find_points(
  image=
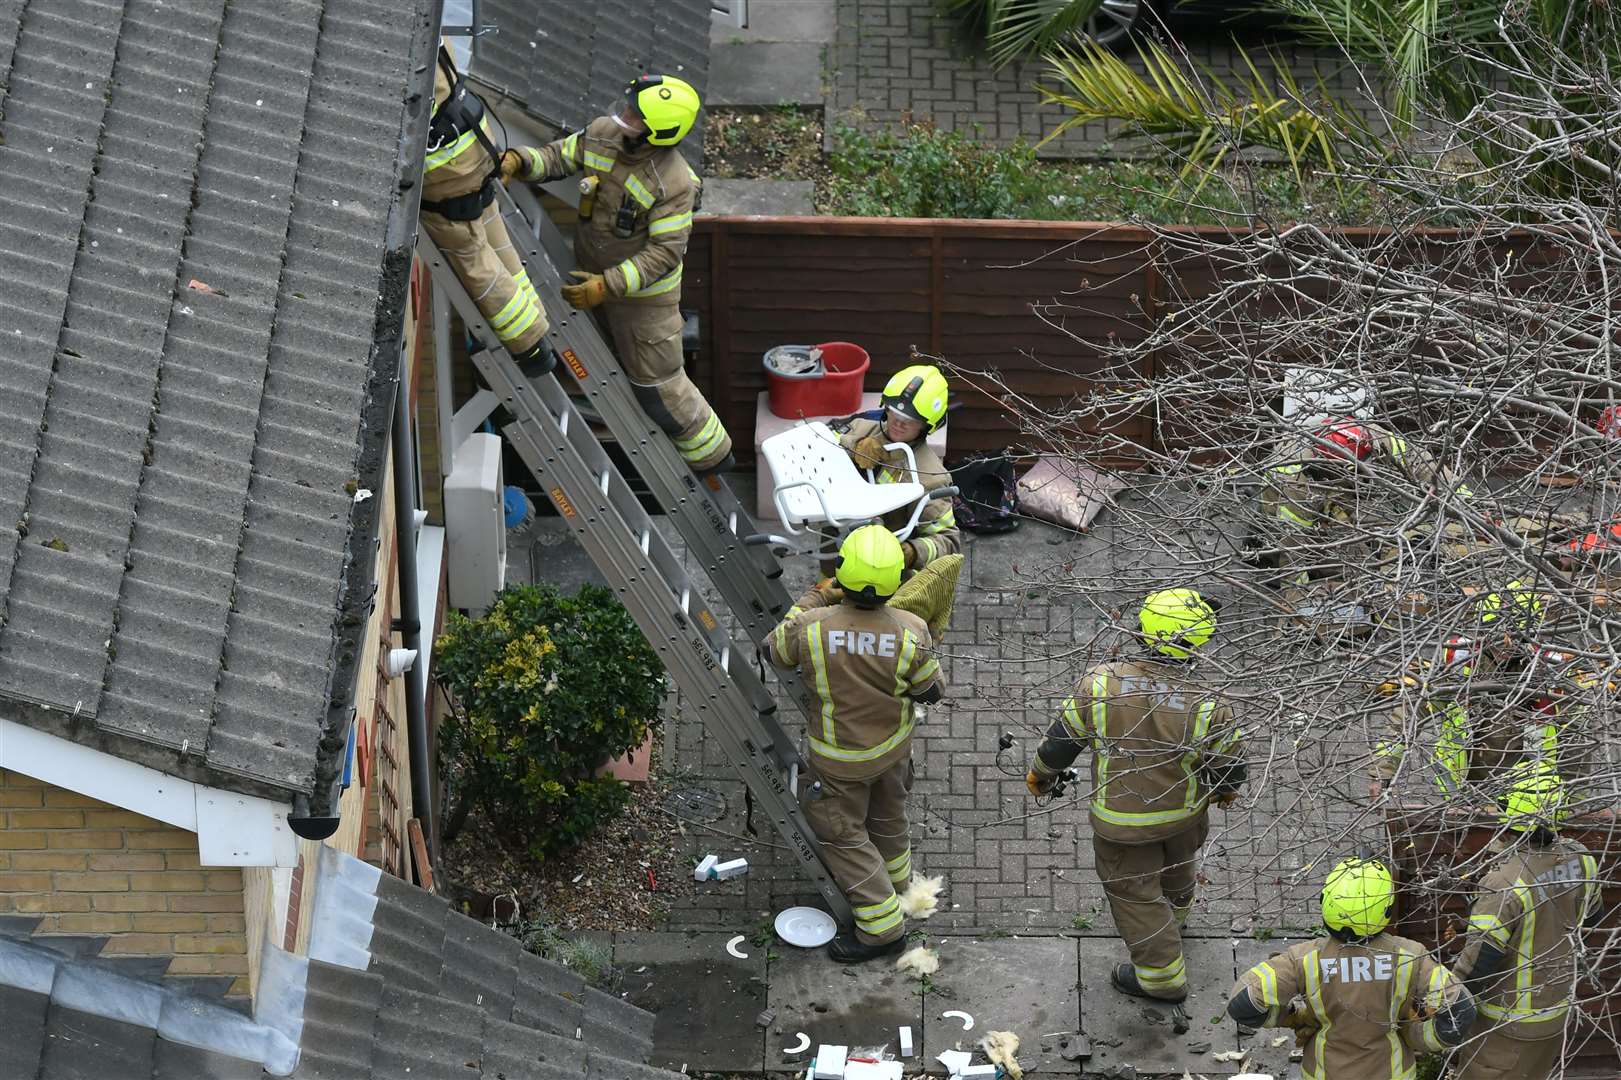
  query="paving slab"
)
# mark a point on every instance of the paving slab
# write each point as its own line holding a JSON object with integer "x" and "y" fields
{"x": 781, "y": 20}
{"x": 861, "y": 1007}
{"x": 765, "y": 74}
{"x": 1264, "y": 1057}
{"x": 775, "y": 198}
{"x": 704, "y": 1000}
{"x": 1143, "y": 1029}
{"x": 1024, "y": 985}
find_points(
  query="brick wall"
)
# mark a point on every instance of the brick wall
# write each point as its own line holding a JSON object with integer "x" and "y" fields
{"x": 88, "y": 868}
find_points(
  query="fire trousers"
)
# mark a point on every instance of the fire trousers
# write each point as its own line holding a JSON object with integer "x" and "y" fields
{"x": 1150, "y": 889}
{"x": 647, "y": 338}
{"x": 1491, "y": 1055}
{"x": 481, "y": 254}
{"x": 867, "y": 843}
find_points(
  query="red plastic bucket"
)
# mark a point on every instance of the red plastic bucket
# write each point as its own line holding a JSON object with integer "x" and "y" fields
{"x": 834, "y": 392}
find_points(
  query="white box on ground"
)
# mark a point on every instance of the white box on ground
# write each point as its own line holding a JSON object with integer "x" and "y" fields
{"x": 768, "y": 423}
{"x": 475, "y": 524}
{"x": 830, "y": 1062}
{"x": 731, "y": 869}
{"x": 906, "y": 1042}
{"x": 873, "y": 1070}
{"x": 705, "y": 869}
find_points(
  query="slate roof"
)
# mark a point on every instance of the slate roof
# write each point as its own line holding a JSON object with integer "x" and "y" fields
{"x": 566, "y": 63}
{"x": 183, "y": 563}
{"x": 440, "y": 997}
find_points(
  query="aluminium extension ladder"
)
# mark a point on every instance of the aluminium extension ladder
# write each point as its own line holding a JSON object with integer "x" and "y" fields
{"x": 608, "y": 520}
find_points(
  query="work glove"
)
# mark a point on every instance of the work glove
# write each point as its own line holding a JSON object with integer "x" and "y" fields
{"x": 511, "y": 165}
{"x": 1038, "y": 784}
{"x": 1224, "y": 799}
{"x": 590, "y": 291}
{"x": 1302, "y": 1020}
{"x": 868, "y": 452}
{"x": 909, "y": 551}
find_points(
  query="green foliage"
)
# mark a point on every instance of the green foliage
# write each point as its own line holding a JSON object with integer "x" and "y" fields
{"x": 1430, "y": 1067}
{"x": 1016, "y": 28}
{"x": 920, "y": 171}
{"x": 548, "y": 688}
{"x": 590, "y": 959}
{"x": 1081, "y": 922}
{"x": 1201, "y": 120}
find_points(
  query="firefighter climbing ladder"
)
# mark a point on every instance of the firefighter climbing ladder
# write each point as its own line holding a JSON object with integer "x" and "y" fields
{"x": 607, "y": 518}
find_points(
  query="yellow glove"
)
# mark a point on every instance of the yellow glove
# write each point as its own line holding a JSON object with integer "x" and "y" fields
{"x": 511, "y": 164}
{"x": 591, "y": 290}
{"x": 1304, "y": 1023}
{"x": 868, "y": 452}
{"x": 909, "y": 550}
{"x": 1038, "y": 784}
{"x": 1226, "y": 799}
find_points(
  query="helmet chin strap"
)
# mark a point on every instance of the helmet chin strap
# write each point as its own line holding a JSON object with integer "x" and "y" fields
{"x": 637, "y": 138}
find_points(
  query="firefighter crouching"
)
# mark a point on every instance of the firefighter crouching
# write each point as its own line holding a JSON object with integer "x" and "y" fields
{"x": 1161, "y": 751}
{"x": 460, "y": 215}
{"x": 1368, "y": 1001}
{"x": 868, "y": 663}
{"x": 637, "y": 201}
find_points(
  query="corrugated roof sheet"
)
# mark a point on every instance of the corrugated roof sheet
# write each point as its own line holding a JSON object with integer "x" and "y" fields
{"x": 569, "y": 63}
{"x": 178, "y": 466}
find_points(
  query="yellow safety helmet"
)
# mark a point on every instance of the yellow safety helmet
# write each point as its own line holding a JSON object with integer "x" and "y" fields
{"x": 1536, "y": 796}
{"x": 1176, "y": 621}
{"x": 1515, "y": 607}
{"x": 667, "y": 105}
{"x": 870, "y": 563}
{"x": 1358, "y": 896}
{"x": 920, "y": 392}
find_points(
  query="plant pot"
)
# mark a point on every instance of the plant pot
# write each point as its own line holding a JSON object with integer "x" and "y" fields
{"x": 633, "y": 766}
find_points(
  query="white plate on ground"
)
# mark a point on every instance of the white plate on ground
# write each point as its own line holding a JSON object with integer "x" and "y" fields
{"x": 806, "y": 927}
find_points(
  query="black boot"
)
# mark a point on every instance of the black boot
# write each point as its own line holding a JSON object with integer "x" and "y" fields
{"x": 848, "y": 949}
{"x": 1124, "y": 979}
{"x": 538, "y": 361}
{"x": 724, "y": 465}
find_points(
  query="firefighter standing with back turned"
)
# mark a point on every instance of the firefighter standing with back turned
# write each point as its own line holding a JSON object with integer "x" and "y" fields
{"x": 460, "y": 215}
{"x": 1520, "y": 958}
{"x": 1371, "y": 1000}
{"x": 1161, "y": 751}
{"x": 868, "y": 663}
{"x": 636, "y": 206}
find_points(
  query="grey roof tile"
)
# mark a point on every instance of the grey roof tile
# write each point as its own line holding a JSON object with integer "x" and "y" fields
{"x": 408, "y": 936}
{"x": 25, "y": 1020}
{"x": 513, "y": 1051}
{"x": 173, "y": 1061}
{"x": 548, "y": 996}
{"x": 79, "y": 1046}
{"x": 340, "y": 1021}
{"x": 480, "y": 966}
{"x": 425, "y": 1037}
{"x": 198, "y": 119}
{"x": 614, "y": 1026}
{"x": 609, "y": 1067}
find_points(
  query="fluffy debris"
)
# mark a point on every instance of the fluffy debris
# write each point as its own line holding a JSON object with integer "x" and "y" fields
{"x": 1002, "y": 1048}
{"x": 922, "y": 897}
{"x": 918, "y": 961}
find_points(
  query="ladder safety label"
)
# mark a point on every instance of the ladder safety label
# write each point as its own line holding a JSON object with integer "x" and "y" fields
{"x": 708, "y": 620}
{"x": 574, "y": 364}
{"x": 560, "y": 500}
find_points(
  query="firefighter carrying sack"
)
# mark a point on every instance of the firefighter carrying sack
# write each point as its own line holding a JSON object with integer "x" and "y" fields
{"x": 988, "y": 495}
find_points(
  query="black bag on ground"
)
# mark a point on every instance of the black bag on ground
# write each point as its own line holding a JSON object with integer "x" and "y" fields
{"x": 988, "y": 495}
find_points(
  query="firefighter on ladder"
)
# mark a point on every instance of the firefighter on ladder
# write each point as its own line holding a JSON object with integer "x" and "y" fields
{"x": 1161, "y": 752}
{"x": 460, "y": 215}
{"x": 636, "y": 205}
{"x": 868, "y": 663}
{"x": 1525, "y": 929}
{"x": 1362, "y": 1002}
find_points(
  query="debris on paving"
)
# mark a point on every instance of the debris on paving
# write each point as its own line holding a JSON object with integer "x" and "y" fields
{"x": 766, "y": 1018}
{"x": 918, "y": 961}
{"x": 922, "y": 897}
{"x": 1002, "y": 1047}
{"x": 958, "y": 1014}
{"x": 801, "y": 1044}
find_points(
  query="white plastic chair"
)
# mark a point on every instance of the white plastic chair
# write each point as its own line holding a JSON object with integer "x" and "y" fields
{"x": 817, "y": 483}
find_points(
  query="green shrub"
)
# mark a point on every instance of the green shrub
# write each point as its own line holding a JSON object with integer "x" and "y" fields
{"x": 547, "y": 688}
{"x": 920, "y": 171}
